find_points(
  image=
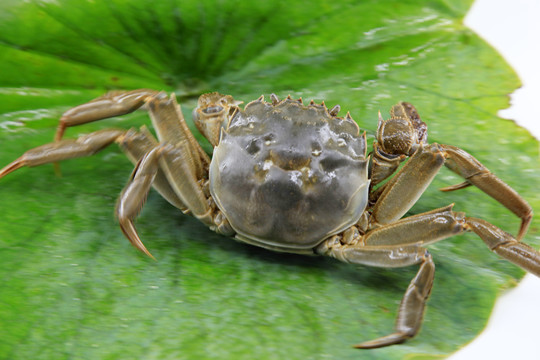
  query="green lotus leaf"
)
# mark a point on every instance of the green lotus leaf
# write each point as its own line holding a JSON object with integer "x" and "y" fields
{"x": 74, "y": 288}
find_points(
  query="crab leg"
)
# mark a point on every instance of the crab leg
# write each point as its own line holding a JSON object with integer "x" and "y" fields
{"x": 135, "y": 145}
{"x": 435, "y": 225}
{"x": 134, "y": 195}
{"x": 65, "y": 149}
{"x": 401, "y": 243}
{"x": 419, "y": 230}
{"x": 113, "y": 103}
{"x": 181, "y": 174}
{"x": 153, "y": 168}
{"x": 183, "y": 160}
{"x": 171, "y": 128}
{"x": 176, "y": 166}
{"x": 478, "y": 175}
{"x": 405, "y": 188}
{"x": 505, "y": 245}
{"x": 398, "y": 195}
{"x": 411, "y": 308}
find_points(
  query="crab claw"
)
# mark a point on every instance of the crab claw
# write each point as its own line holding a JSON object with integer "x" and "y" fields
{"x": 403, "y": 132}
{"x": 212, "y": 114}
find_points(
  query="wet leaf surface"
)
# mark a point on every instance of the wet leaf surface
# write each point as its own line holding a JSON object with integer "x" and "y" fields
{"x": 74, "y": 288}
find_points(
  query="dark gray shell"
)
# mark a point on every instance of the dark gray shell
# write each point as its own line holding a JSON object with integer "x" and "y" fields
{"x": 287, "y": 176}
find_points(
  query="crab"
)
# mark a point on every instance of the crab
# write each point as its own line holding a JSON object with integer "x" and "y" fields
{"x": 296, "y": 178}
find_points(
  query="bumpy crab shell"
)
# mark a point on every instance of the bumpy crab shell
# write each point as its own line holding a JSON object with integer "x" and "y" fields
{"x": 287, "y": 176}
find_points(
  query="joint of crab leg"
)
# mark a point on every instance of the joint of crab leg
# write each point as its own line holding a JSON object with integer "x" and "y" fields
{"x": 505, "y": 245}
{"x": 207, "y": 217}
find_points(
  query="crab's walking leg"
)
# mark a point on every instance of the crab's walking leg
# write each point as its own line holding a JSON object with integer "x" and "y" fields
{"x": 134, "y": 195}
{"x": 146, "y": 174}
{"x": 406, "y": 187}
{"x": 135, "y": 144}
{"x": 65, "y": 149}
{"x": 505, "y": 245}
{"x": 478, "y": 175}
{"x": 398, "y": 195}
{"x": 176, "y": 165}
{"x": 114, "y": 103}
{"x": 171, "y": 128}
{"x": 411, "y": 308}
{"x": 183, "y": 160}
{"x": 428, "y": 227}
{"x": 401, "y": 243}
{"x": 413, "y": 303}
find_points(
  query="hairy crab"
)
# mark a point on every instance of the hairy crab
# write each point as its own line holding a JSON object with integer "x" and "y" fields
{"x": 296, "y": 178}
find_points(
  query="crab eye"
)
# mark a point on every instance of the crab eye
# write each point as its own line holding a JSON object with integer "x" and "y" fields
{"x": 212, "y": 109}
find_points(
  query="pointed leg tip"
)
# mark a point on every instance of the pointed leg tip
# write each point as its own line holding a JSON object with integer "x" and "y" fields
{"x": 131, "y": 234}
{"x": 368, "y": 345}
{"x": 137, "y": 243}
{"x": 392, "y": 339}
{"x": 17, "y": 164}
{"x": 147, "y": 253}
{"x": 140, "y": 246}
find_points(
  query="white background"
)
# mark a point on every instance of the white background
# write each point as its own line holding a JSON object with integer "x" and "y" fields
{"x": 513, "y": 28}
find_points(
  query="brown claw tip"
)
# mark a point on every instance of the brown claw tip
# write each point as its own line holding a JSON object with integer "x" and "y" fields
{"x": 365, "y": 345}
{"x": 17, "y": 164}
{"x": 143, "y": 249}
{"x": 151, "y": 256}
{"x": 462, "y": 185}
{"x": 140, "y": 246}
{"x": 392, "y": 339}
{"x": 129, "y": 231}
